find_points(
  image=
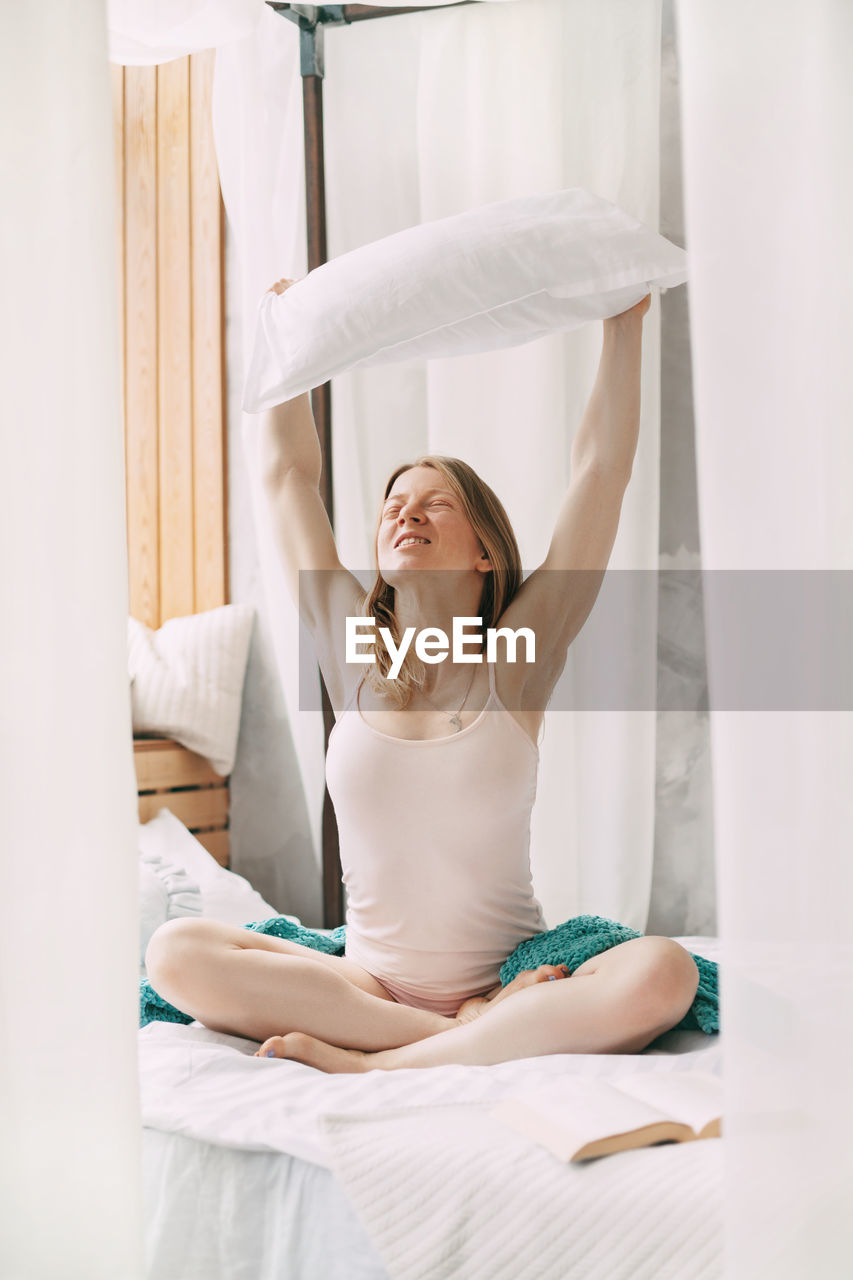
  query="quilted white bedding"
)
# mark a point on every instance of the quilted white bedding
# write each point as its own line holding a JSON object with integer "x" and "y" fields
{"x": 267, "y": 1168}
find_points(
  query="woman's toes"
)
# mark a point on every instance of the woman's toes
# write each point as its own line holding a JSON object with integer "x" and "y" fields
{"x": 552, "y": 972}
{"x": 272, "y": 1048}
{"x": 300, "y": 1047}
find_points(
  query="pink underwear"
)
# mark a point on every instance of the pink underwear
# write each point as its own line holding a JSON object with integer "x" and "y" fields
{"x": 446, "y": 1005}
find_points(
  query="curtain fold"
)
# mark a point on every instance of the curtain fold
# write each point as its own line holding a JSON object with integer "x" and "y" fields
{"x": 769, "y": 205}
{"x": 145, "y": 32}
{"x": 69, "y": 950}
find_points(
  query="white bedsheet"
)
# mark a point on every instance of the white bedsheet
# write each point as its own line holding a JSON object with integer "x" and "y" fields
{"x": 210, "y": 1086}
{"x": 440, "y": 1190}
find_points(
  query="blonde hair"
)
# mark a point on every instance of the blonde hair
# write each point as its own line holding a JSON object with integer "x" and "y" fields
{"x": 487, "y": 517}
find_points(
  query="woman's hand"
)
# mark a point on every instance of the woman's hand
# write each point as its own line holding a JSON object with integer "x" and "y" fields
{"x": 633, "y": 313}
{"x": 280, "y": 286}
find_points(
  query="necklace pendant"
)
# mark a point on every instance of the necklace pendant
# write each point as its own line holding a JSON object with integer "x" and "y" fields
{"x": 456, "y": 722}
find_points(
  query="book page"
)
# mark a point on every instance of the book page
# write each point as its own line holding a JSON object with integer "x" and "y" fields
{"x": 584, "y": 1111}
{"x": 694, "y": 1098}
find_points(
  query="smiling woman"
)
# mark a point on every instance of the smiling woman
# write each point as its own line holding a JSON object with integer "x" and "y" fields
{"x": 445, "y": 550}
{"x": 434, "y": 911}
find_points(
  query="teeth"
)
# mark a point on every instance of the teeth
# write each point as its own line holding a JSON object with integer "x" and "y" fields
{"x": 412, "y": 542}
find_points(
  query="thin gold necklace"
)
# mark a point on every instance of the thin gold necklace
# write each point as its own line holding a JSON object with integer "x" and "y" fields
{"x": 455, "y": 716}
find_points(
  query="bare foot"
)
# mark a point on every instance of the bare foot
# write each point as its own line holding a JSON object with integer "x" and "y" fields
{"x": 479, "y": 1005}
{"x": 300, "y": 1047}
{"x": 471, "y": 1009}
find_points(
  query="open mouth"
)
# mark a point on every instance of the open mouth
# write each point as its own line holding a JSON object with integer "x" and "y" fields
{"x": 410, "y": 540}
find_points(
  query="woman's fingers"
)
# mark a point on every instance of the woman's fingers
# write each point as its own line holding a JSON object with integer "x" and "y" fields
{"x": 280, "y": 285}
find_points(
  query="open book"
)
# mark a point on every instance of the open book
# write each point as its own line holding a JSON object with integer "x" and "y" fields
{"x": 590, "y": 1117}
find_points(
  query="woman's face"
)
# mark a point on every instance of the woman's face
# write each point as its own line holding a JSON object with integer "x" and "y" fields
{"x": 423, "y": 526}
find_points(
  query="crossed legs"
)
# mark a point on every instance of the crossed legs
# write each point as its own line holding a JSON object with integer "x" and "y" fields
{"x": 254, "y": 985}
{"x": 327, "y": 1012}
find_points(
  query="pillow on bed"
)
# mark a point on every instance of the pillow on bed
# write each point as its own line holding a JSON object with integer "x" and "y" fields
{"x": 165, "y": 842}
{"x": 165, "y": 892}
{"x": 496, "y": 276}
{"x": 186, "y": 680}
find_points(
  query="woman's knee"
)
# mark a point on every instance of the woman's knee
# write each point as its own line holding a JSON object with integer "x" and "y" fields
{"x": 665, "y": 980}
{"x": 175, "y": 944}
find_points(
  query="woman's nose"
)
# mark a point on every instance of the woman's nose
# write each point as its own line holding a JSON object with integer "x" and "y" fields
{"x": 409, "y": 513}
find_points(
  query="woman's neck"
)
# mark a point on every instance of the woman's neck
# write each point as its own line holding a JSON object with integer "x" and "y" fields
{"x": 437, "y": 604}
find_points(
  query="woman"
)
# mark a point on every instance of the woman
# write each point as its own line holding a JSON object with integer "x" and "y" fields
{"x": 433, "y": 776}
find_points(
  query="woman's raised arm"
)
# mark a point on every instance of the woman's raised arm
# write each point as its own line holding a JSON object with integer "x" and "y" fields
{"x": 556, "y": 605}
{"x": 290, "y": 465}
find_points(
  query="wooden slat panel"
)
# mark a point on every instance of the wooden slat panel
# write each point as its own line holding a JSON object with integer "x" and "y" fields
{"x": 207, "y": 807}
{"x": 174, "y": 340}
{"x": 140, "y": 113}
{"x": 208, "y": 418}
{"x": 216, "y": 843}
{"x": 164, "y": 763}
{"x": 117, "y": 84}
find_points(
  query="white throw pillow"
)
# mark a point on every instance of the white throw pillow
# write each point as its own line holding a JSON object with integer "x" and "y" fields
{"x": 187, "y": 680}
{"x": 224, "y": 895}
{"x": 165, "y": 892}
{"x": 497, "y": 276}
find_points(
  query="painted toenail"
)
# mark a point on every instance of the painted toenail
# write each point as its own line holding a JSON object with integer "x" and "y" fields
{"x": 552, "y": 977}
{"x": 270, "y": 1053}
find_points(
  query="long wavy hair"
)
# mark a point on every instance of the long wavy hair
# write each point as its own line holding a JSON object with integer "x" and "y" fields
{"x": 487, "y": 517}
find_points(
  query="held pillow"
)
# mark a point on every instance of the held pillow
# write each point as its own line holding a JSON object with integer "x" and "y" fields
{"x": 497, "y": 276}
{"x": 186, "y": 680}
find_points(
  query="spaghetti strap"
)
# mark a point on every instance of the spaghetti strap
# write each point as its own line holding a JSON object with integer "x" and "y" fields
{"x": 492, "y": 690}
{"x": 352, "y": 699}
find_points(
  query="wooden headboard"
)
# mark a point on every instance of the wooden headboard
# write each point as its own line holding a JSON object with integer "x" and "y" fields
{"x": 171, "y": 777}
{"x": 170, "y": 271}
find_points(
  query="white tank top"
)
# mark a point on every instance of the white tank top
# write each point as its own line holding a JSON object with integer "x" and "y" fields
{"x": 435, "y": 851}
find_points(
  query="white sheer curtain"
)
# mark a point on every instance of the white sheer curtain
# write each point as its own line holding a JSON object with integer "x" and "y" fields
{"x": 426, "y": 115}
{"x": 768, "y": 140}
{"x": 69, "y": 1113}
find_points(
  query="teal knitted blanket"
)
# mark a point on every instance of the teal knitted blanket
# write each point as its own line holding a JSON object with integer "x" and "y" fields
{"x": 570, "y": 944}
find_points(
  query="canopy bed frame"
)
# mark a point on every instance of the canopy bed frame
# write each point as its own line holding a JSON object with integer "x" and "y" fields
{"x": 312, "y": 21}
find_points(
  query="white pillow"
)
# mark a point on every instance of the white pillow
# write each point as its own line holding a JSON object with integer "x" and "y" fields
{"x": 187, "y": 680}
{"x": 224, "y": 895}
{"x": 165, "y": 892}
{"x": 496, "y": 276}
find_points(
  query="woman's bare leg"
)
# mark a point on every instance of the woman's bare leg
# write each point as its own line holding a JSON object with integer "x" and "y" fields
{"x": 617, "y": 1002}
{"x": 255, "y": 985}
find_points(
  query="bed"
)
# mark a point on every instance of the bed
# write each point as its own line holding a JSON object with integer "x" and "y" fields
{"x": 271, "y": 1170}
{"x": 268, "y": 1168}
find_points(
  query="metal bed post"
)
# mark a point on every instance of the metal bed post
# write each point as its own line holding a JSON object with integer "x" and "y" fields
{"x": 311, "y": 21}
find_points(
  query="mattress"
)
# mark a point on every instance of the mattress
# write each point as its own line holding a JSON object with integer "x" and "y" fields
{"x": 268, "y": 1168}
